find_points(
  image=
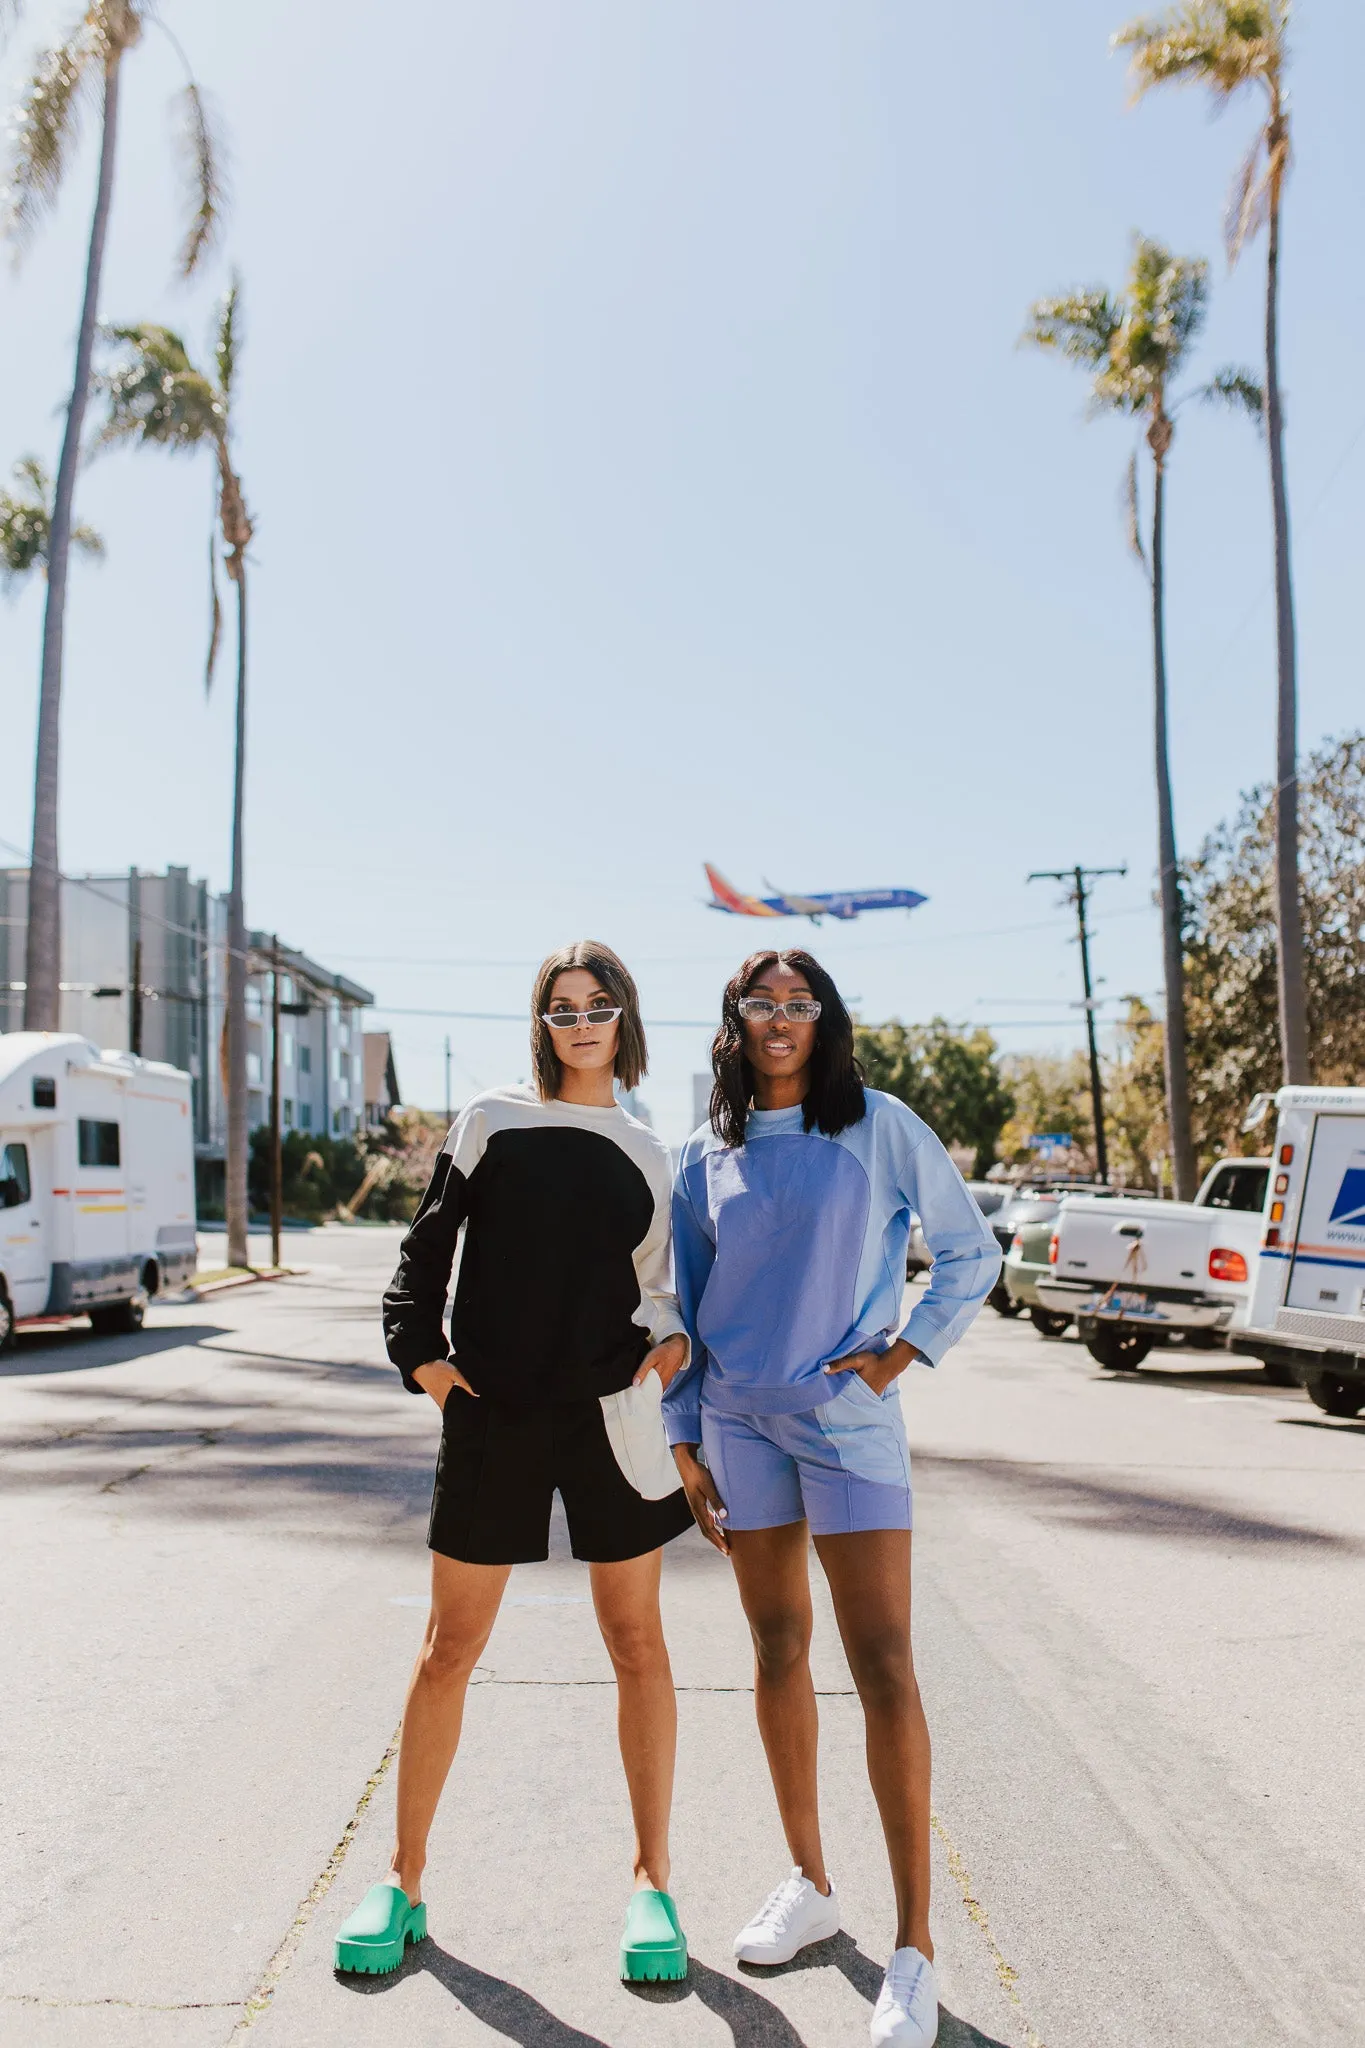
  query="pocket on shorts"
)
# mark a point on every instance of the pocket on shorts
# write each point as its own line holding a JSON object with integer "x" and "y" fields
{"x": 866, "y": 1431}
{"x": 635, "y": 1430}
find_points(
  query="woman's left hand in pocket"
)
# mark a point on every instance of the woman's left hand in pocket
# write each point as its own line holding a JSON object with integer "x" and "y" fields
{"x": 877, "y": 1368}
{"x": 666, "y": 1359}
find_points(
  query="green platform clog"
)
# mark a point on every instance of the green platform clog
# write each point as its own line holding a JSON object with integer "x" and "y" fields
{"x": 372, "y": 1941}
{"x": 653, "y": 1945}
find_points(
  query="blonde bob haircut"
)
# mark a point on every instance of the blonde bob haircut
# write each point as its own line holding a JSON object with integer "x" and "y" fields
{"x": 611, "y": 973}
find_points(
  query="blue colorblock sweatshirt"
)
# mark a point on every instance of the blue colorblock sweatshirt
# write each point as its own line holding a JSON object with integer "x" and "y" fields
{"x": 789, "y": 1252}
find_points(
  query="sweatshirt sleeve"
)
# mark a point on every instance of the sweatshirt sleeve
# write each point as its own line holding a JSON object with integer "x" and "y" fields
{"x": 694, "y": 1254}
{"x": 414, "y": 1304}
{"x": 654, "y": 1265}
{"x": 966, "y": 1255}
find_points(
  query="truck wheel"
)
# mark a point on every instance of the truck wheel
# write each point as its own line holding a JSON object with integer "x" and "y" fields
{"x": 118, "y": 1318}
{"x": 1001, "y": 1300}
{"x": 1119, "y": 1350}
{"x": 6, "y": 1322}
{"x": 1047, "y": 1322}
{"x": 1333, "y": 1394}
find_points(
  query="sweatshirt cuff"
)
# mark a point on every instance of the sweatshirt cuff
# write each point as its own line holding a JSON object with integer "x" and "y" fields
{"x": 683, "y": 1425}
{"x": 928, "y": 1340}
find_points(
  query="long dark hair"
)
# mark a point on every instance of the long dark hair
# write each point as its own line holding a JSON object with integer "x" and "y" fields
{"x": 611, "y": 972}
{"x": 835, "y": 1097}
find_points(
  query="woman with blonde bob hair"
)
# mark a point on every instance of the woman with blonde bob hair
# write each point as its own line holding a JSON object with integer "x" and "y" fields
{"x": 564, "y": 1335}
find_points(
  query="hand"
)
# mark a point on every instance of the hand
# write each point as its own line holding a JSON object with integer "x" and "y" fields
{"x": 666, "y": 1359}
{"x": 438, "y": 1378}
{"x": 702, "y": 1497}
{"x": 878, "y": 1368}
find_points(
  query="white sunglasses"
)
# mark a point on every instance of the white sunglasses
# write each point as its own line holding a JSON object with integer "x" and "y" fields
{"x": 568, "y": 1020}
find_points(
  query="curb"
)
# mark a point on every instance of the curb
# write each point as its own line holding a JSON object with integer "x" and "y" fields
{"x": 242, "y": 1280}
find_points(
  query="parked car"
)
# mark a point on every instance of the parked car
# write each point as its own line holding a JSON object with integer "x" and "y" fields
{"x": 1140, "y": 1273}
{"x": 1026, "y": 1263}
{"x": 918, "y": 1257}
{"x": 1307, "y": 1312}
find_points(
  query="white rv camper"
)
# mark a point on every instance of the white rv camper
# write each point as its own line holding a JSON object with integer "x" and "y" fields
{"x": 96, "y": 1181}
{"x": 1308, "y": 1300}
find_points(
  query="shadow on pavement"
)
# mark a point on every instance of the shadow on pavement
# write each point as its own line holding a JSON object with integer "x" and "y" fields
{"x": 511, "y": 2012}
{"x": 41, "y": 1352}
{"x": 1322, "y": 1422}
{"x": 754, "y": 2021}
{"x": 1102, "y": 1504}
{"x": 1230, "y": 1379}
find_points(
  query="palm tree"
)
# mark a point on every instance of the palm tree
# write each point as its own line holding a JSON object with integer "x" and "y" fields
{"x": 1133, "y": 345}
{"x": 158, "y": 398}
{"x": 87, "y": 65}
{"x": 26, "y": 525}
{"x": 1230, "y": 45}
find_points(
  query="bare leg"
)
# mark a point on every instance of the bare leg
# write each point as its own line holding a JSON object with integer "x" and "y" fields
{"x": 773, "y": 1575}
{"x": 464, "y": 1605}
{"x": 626, "y": 1597}
{"x": 869, "y": 1578}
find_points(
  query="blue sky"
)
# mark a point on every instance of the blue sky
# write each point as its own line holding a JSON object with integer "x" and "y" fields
{"x": 645, "y": 472}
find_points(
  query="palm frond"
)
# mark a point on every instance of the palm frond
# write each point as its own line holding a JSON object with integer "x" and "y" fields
{"x": 1239, "y": 389}
{"x": 46, "y": 129}
{"x": 1131, "y": 512}
{"x": 88, "y": 541}
{"x": 201, "y": 157}
{"x": 1248, "y": 201}
{"x": 1080, "y": 325}
{"x": 215, "y": 613}
{"x": 29, "y": 470}
{"x": 229, "y": 337}
{"x": 26, "y": 525}
{"x": 1224, "y": 44}
{"x": 153, "y": 392}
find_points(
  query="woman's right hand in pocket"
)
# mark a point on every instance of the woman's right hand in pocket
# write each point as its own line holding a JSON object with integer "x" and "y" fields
{"x": 438, "y": 1378}
{"x": 702, "y": 1496}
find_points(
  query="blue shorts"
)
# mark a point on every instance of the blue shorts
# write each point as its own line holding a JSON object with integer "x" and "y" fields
{"x": 843, "y": 1467}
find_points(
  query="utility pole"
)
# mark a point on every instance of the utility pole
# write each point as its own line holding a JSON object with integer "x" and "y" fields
{"x": 1078, "y": 877}
{"x": 276, "y": 1152}
{"x": 448, "y": 1115}
{"x": 135, "y": 1002}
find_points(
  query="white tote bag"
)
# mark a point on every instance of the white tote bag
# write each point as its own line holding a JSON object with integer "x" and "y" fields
{"x": 635, "y": 1431}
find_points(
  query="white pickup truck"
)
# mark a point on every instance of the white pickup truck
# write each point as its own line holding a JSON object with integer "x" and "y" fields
{"x": 1136, "y": 1273}
{"x": 1307, "y": 1315}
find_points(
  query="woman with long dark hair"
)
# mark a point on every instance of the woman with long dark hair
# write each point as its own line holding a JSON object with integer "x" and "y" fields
{"x": 564, "y": 1333}
{"x": 791, "y": 1215}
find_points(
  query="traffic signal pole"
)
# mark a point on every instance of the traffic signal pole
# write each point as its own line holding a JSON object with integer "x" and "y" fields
{"x": 1078, "y": 877}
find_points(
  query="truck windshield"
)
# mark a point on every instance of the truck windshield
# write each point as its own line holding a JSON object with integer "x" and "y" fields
{"x": 1240, "y": 1187}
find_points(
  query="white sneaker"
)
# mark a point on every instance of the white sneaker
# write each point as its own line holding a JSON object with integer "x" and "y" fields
{"x": 790, "y": 1918}
{"x": 906, "y": 2012}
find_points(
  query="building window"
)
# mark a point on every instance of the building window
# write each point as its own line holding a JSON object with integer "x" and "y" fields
{"x": 253, "y": 1067}
{"x": 356, "y": 1074}
{"x": 341, "y": 1121}
{"x": 286, "y": 1048}
{"x": 253, "y": 1000}
{"x": 336, "y": 1009}
{"x": 96, "y": 1143}
{"x": 305, "y": 1059}
{"x": 288, "y": 1114}
{"x": 305, "y": 1116}
{"x": 287, "y": 989}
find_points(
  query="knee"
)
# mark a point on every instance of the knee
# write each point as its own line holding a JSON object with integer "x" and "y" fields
{"x": 636, "y": 1648}
{"x": 448, "y": 1657}
{"x": 884, "y": 1673}
{"x": 781, "y": 1644}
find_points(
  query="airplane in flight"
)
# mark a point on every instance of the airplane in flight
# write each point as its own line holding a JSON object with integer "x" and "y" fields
{"x": 845, "y": 903}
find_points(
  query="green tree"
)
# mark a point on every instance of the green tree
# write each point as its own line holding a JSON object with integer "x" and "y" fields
{"x": 1133, "y": 345}
{"x": 1050, "y": 1092}
{"x": 26, "y": 525}
{"x": 948, "y": 1077}
{"x": 158, "y": 398}
{"x": 1232, "y": 952}
{"x": 1231, "y": 47}
{"x": 87, "y": 65}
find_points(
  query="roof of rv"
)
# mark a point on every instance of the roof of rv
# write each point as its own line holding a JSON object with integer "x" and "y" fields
{"x": 20, "y": 1049}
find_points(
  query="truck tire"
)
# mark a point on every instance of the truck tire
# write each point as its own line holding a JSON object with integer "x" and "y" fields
{"x": 118, "y": 1318}
{"x": 1002, "y": 1302}
{"x": 1333, "y": 1394}
{"x": 1048, "y": 1322}
{"x": 1119, "y": 1350}
{"x": 6, "y": 1322}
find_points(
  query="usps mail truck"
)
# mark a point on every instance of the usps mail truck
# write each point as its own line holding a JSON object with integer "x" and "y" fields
{"x": 96, "y": 1181}
{"x": 1308, "y": 1297}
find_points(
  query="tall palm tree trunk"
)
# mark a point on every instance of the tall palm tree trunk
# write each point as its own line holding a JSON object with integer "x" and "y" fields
{"x": 1288, "y": 920}
{"x": 1184, "y": 1171}
{"x": 236, "y": 1191}
{"x": 43, "y": 947}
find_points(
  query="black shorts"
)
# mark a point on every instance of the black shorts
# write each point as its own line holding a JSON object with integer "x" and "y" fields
{"x": 498, "y": 1471}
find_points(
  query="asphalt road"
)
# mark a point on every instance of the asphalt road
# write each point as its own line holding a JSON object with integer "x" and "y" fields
{"x": 1140, "y": 1625}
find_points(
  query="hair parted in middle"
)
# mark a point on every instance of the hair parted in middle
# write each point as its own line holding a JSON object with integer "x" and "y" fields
{"x": 835, "y": 1097}
{"x": 611, "y": 973}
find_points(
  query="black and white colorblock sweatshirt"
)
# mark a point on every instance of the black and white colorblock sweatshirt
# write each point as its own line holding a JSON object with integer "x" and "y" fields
{"x": 565, "y": 1278}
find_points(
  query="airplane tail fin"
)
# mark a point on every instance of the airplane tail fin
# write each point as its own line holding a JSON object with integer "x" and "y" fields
{"x": 724, "y": 896}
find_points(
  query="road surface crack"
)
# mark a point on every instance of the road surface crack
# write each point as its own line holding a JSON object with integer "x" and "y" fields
{"x": 263, "y": 1995}
{"x": 1006, "y": 1975}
